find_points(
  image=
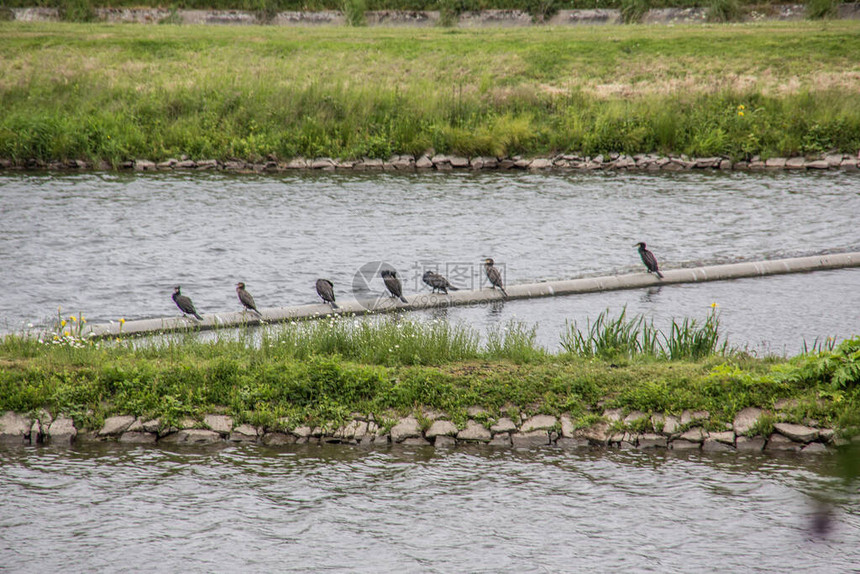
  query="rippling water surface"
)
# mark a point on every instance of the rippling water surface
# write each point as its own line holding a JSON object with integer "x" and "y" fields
{"x": 107, "y": 508}
{"x": 113, "y": 245}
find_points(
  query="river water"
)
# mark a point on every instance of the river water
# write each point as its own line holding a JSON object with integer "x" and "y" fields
{"x": 109, "y": 508}
{"x": 113, "y": 245}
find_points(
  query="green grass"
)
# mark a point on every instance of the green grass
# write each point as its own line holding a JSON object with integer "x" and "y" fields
{"x": 123, "y": 92}
{"x": 319, "y": 373}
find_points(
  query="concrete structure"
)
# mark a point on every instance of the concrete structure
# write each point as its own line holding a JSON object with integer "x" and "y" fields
{"x": 385, "y": 304}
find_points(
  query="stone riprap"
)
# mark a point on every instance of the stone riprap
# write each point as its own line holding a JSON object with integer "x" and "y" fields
{"x": 615, "y": 429}
{"x": 420, "y": 18}
{"x": 440, "y": 162}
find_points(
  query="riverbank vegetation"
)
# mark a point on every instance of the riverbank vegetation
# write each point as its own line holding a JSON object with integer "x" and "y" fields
{"x": 114, "y": 93}
{"x": 321, "y": 372}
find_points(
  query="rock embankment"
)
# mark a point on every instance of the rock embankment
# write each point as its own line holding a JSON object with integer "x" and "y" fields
{"x": 688, "y": 431}
{"x": 442, "y": 162}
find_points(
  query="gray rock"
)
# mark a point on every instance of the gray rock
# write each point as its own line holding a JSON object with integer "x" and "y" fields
{"x": 688, "y": 417}
{"x": 681, "y": 444}
{"x": 297, "y": 163}
{"x": 634, "y": 417}
{"x": 833, "y": 160}
{"x": 694, "y": 435}
{"x": 538, "y": 422}
{"x": 530, "y": 439}
{"x": 441, "y": 428}
{"x": 243, "y": 433}
{"x": 818, "y": 164}
{"x": 424, "y": 162}
{"x": 797, "y": 433}
{"x": 571, "y": 443}
{"x": 444, "y": 441}
{"x": 504, "y": 425}
{"x": 152, "y": 425}
{"x": 406, "y": 428}
{"x": 62, "y": 431}
{"x": 501, "y": 440}
{"x": 612, "y": 415}
{"x": 302, "y": 431}
{"x": 475, "y": 411}
{"x": 144, "y": 165}
{"x": 567, "y": 429}
{"x": 136, "y": 426}
{"x": 192, "y": 436}
{"x": 777, "y": 442}
{"x": 355, "y": 430}
{"x": 138, "y": 437}
{"x": 432, "y": 415}
{"x": 459, "y": 162}
{"x": 815, "y": 448}
{"x": 278, "y": 439}
{"x": 826, "y": 435}
{"x": 187, "y": 164}
{"x": 187, "y": 423}
{"x": 652, "y": 440}
{"x": 415, "y": 441}
{"x": 746, "y": 419}
{"x": 775, "y": 162}
{"x": 219, "y": 423}
{"x": 597, "y": 433}
{"x": 474, "y": 432}
{"x": 795, "y": 163}
{"x": 727, "y": 437}
{"x": 783, "y": 404}
{"x": 670, "y": 425}
{"x": 711, "y": 445}
{"x": 116, "y": 425}
{"x": 207, "y": 164}
{"x": 726, "y": 164}
{"x": 747, "y": 444}
{"x": 657, "y": 422}
{"x": 540, "y": 163}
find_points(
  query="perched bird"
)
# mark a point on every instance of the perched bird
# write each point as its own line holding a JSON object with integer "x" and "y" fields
{"x": 648, "y": 259}
{"x": 184, "y": 303}
{"x": 246, "y": 298}
{"x": 392, "y": 283}
{"x": 437, "y": 282}
{"x": 325, "y": 289}
{"x": 493, "y": 275}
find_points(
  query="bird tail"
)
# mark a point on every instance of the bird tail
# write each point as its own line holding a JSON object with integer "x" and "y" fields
{"x": 402, "y": 298}
{"x": 199, "y": 318}
{"x": 452, "y": 288}
{"x": 260, "y": 315}
{"x": 505, "y": 293}
{"x": 334, "y": 305}
{"x": 660, "y": 275}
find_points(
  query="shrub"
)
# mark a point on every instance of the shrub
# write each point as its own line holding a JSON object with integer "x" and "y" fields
{"x": 822, "y": 9}
{"x": 632, "y": 11}
{"x": 724, "y": 10}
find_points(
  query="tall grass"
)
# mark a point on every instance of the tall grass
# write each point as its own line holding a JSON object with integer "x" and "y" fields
{"x": 622, "y": 337}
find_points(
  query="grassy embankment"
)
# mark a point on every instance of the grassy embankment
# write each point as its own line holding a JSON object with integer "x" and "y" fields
{"x": 122, "y": 92}
{"x": 320, "y": 372}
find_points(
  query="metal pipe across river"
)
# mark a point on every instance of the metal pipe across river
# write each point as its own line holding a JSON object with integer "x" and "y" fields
{"x": 457, "y": 298}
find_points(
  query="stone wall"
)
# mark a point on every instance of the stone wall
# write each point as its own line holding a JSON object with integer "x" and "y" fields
{"x": 419, "y": 18}
{"x": 440, "y": 162}
{"x": 615, "y": 429}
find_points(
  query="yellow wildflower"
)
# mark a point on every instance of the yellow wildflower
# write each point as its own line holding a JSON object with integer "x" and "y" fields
{"x": 63, "y": 323}
{"x": 714, "y": 305}
{"x": 741, "y": 114}
{"x": 73, "y": 318}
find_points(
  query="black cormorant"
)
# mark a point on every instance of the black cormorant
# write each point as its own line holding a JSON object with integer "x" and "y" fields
{"x": 437, "y": 282}
{"x": 493, "y": 275}
{"x": 325, "y": 289}
{"x": 246, "y": 298}
{"x": 389, "y": 277}
{"x": 648, "y": 259}
{"x": 184, "y": 303}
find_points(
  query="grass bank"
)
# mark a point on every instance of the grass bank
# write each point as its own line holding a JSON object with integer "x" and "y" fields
{"x": 319, "y": 373}
{"x": 124, "y": 92}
